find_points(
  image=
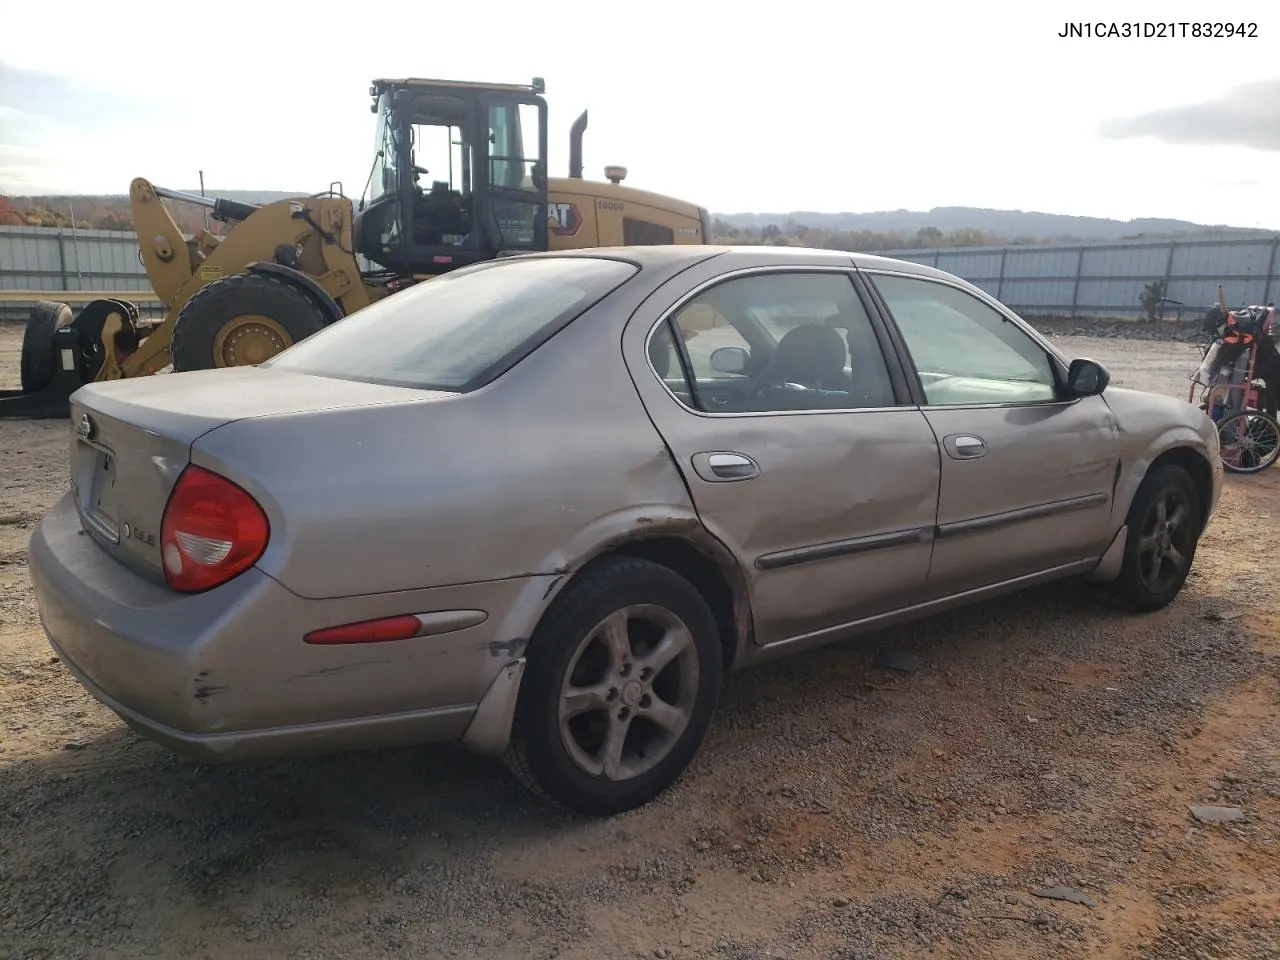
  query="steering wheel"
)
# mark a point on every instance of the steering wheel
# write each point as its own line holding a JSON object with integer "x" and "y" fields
{"x": 764, "y": 384}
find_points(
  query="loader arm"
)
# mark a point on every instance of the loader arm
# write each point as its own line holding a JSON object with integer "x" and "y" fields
{"x": 168, "y": 258}
{"x": 310, "y": 234}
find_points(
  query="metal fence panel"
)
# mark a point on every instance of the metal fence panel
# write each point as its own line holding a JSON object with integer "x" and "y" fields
{"x": 1108, "y": 279}
{"x": 1147, "y": 262}
{"x": 1103, "y": 279}
{"x": 1048, "y": 295}
{"x": 1198, "y": 295}
{"x": 970, "y": 263}
{"x": 1210, "y": 261}
{"x": 53, "y": 258}
{"x": 29, "y": 255}
{"x": 1033, "y": 264}
{"x": 1103, "y": 296}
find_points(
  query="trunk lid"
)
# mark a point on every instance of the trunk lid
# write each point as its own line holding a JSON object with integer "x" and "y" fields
{"x": 131, "y": 440}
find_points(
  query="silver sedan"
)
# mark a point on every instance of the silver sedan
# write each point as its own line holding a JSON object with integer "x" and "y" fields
{"x": 545, "y": 504}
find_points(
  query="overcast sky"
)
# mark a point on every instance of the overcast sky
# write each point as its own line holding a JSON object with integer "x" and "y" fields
{"x": 821, "y": 106}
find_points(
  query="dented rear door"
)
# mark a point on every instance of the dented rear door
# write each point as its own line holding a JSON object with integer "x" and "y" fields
{"x": 830, "y": 512}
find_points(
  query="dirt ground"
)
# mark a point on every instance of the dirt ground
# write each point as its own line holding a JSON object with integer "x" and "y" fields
{"x": 838, "y": 810}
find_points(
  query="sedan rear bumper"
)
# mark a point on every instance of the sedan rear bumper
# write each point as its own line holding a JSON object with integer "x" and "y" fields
{"x": 423, "y": 726}
{"x": 225, "y": 675}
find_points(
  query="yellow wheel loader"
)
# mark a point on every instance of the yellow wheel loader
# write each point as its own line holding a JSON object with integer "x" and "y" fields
{"x": 459, "y": 176}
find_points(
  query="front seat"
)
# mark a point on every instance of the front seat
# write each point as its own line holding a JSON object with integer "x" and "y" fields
{"x": 806, "y": 371}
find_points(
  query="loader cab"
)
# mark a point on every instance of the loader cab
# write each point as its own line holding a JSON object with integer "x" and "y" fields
{"x": 459, "y": 175}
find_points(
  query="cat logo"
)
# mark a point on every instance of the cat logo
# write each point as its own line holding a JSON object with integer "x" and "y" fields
{"x": 563, "y": 219}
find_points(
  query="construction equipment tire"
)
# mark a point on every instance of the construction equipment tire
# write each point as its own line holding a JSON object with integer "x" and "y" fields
{"x": 39, "y": 357}
{"x": 242, "y": 320}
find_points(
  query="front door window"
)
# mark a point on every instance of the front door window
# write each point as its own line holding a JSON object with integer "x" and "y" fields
{"x": 965, "y": 351}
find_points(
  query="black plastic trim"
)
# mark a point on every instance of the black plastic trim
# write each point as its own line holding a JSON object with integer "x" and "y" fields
{"x": 844, "y": 548}
{"x": 991, "y": 521}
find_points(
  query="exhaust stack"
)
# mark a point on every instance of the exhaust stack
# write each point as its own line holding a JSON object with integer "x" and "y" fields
{"x": 575, "y": 146}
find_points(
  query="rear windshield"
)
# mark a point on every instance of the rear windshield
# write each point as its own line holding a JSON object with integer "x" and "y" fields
{"x": 459, "y": 331}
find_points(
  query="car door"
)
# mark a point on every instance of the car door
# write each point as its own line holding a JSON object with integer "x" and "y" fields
{"x": 1027, "y": 476}
{"x": 797, "y": 451}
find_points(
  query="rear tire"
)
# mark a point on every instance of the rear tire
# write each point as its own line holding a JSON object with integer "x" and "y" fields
{"x": 629, "y": 650}
{"x": 39, "y": 357}
{"x": 1165, "y": 521}
{"x": 242, "y": 320}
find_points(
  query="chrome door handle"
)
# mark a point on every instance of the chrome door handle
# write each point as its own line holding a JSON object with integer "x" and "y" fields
{"x": 964, "y": 446}
{"x": 719, "y": 467}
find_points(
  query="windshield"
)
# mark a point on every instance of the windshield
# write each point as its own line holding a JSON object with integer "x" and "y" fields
{"x": 461, "y": 330}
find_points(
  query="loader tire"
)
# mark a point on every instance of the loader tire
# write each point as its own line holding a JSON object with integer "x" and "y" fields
{"x": 242, "y": 320}
{"x": 39, "y": 358}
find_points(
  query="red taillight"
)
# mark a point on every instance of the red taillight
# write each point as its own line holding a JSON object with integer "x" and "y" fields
{"x": 212, "y": 531}
{"x": 368, "y": 631}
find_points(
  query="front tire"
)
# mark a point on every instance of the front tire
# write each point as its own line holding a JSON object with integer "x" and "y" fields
{"x": 1165, "y": 521}
{"x": 242, "y": 320}
{"x": 623, "y": 678}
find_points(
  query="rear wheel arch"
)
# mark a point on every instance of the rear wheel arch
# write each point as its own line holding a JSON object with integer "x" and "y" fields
{"x": 715, "y": 576}
{"x": 705, "y": 564}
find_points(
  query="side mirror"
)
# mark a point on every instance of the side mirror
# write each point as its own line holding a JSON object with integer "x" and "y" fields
{"x": 1087, "y": 378}
{"x": 729, "y": 360}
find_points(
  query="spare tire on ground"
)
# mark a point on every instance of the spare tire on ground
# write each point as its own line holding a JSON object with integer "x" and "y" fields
{"x": 39, "y": 356}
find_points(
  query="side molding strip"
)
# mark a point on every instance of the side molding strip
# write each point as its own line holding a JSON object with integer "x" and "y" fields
{"x": 901, "y": 538}
{"x": 960, "y": 527}
{"x": 843, "y": 548}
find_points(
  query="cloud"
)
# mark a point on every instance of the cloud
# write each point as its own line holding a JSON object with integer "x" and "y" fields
{"x": 55, "y": 132}
{"x": 1248, "y": 116}
{"x": 28, "y": 95}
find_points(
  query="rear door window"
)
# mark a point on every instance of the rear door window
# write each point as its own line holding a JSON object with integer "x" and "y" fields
{"x": 459, "y": 331}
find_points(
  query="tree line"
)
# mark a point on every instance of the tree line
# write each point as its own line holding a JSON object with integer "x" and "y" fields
{"x": 793, "y": 234}
{"x": 94, "y": 213}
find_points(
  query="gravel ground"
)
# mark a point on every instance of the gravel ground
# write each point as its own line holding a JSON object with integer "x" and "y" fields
{"x": 838, "y": 810}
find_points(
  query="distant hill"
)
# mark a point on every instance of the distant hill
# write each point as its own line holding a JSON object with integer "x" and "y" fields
{"x": 881, "y": 230}
{"x": 1009, "y": 224}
